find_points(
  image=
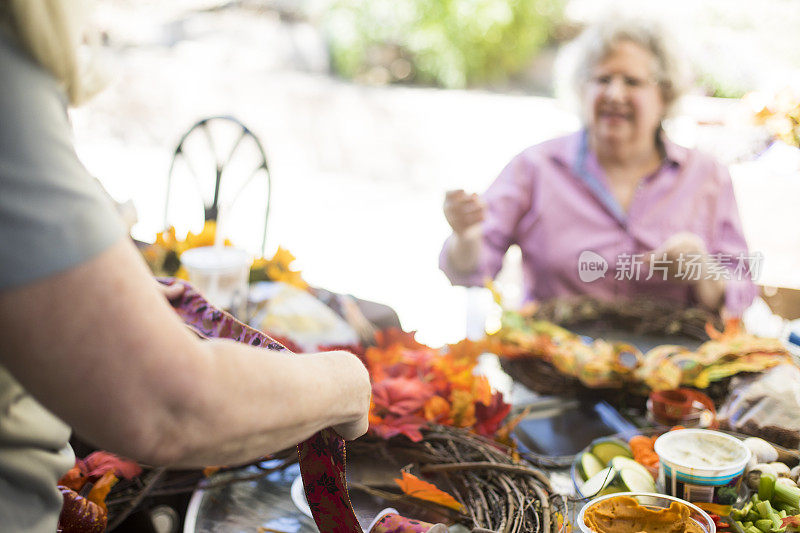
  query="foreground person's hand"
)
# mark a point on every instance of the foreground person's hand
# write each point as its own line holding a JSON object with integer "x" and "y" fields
{"x": 360, "y": 391}
{"x": 172, "y": 291}
{"x": 353, "y": 430}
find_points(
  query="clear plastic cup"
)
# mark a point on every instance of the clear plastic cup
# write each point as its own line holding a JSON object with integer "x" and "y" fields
{"x": 221, "y": 274}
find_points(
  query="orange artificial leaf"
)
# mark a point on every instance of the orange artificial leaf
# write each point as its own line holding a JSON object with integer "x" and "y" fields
{"x": 733, "y": 327}
{"x": 422, "y": 490}
{"x": 74, "y": 479}
{"x": 101, "y": 489}
{"x": 793, "y": 521}
{"x": 503, "y": 435}
{"x": 457, "y": 377}
{"x": 481, "y": 390}
{"x": 467, "y": 350}
{"x": 712, "y": 332}
{"x": 437, "y": 409}
{"x": 374, "y": 419}
{"x": 211, "y": 470}
{"x": 463, "y": 408}
{"x": 378, "y": 358}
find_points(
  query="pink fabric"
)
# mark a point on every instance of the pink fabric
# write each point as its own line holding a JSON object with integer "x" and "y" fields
{"x": 394, "y": 523}
{"x": 540, "y": 202}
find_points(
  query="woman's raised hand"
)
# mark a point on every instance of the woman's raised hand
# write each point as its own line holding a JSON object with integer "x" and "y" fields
{"x": 463, "y": 210}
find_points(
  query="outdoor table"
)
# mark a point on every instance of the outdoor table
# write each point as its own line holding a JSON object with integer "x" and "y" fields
{"x": 249, "y": 505}
{"x": 268, "y": 504}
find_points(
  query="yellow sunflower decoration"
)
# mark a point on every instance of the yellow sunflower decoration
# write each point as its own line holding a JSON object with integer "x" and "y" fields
{"x": 163, "y": 257}
{"x": 277, "y": 269}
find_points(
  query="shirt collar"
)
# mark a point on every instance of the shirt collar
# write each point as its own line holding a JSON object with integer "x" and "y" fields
{"x": 565, "y": 150}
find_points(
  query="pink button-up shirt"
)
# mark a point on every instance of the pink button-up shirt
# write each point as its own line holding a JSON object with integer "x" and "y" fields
{"x": 553, "y": 200}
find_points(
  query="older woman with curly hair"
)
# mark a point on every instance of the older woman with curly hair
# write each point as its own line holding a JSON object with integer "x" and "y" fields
{"x": 616, "y": 210}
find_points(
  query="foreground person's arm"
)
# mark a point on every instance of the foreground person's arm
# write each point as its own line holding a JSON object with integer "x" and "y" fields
{"x": 100, "y": 347}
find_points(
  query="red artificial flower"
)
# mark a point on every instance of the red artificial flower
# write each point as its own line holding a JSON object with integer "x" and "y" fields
{"x": 98, "y": 463}
{"x": 391, "y": 426}
{"x": 400, "y": 396}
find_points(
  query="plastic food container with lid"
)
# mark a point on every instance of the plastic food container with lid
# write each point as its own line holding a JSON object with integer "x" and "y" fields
{"x": 701, "y": 465}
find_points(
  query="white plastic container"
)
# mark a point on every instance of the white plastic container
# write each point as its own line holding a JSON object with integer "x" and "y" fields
{"x": 700, "y": 465}
{"x": 221, "y": 274}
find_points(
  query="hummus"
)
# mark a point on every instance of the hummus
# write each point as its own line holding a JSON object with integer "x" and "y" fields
{"x": 703, "y": 450}
{"x": 624, "y": 514}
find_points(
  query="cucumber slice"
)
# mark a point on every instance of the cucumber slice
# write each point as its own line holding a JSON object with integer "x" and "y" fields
{"x": 607, "y": 449}
{"x": 612, "y": 489}
{"x": 623, "y": 463}
{"x": 598, "y": 482}
{"x": 589, "y": 465}
{"x": 635, "y": 481}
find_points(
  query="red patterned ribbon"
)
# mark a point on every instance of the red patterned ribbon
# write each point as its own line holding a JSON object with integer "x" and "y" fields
{"x": 322, "y": 457}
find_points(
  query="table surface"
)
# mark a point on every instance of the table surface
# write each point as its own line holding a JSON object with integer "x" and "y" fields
{"x": 265, "y": 505}
{"x": 258, "y": 506}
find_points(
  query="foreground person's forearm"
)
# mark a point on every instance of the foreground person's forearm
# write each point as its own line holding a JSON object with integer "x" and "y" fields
{"x": 250, "y": 409}
{"x": 116, "y": 363}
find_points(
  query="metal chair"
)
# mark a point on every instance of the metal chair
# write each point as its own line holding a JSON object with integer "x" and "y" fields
{"x": 210, "y": 128}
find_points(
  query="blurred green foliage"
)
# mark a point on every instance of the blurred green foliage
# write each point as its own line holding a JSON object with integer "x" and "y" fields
{"x": 449, "y": 43}
{"x": 721, "y": 87}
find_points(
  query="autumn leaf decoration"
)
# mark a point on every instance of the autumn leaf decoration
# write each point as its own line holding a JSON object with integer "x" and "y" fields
{"x": 101, "y": 489}
{"x": 414, "y": 385}
{"x": 101, "y": 470}
{"x": 422, "y": 490}
{"x": 791, "y": 522}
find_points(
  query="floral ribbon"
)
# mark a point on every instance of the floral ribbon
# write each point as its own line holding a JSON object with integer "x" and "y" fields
{"x": 322, "y": 457}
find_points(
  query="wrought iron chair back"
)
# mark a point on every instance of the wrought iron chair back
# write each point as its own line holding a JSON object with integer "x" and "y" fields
{"x": 211, "y": 206}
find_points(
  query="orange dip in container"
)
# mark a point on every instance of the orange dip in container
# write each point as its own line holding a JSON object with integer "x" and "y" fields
{"x": 624, "y": 514}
